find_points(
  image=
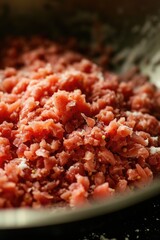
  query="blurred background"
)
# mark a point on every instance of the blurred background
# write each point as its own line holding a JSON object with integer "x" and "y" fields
{"x": 131, "y": 28}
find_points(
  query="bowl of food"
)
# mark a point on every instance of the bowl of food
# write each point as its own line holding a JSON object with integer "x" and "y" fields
{"x": 79, "y": 110}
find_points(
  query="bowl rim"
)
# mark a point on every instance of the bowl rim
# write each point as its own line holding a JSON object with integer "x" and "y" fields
{"x": 31, "y": 218}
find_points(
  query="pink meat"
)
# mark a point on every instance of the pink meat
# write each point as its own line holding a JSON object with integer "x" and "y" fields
{"x": 70, "y": 131}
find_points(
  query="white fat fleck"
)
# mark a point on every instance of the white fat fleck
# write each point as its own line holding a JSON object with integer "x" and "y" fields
{"x": 41, "y": 152}
{"x": 69, "y": 73}
{"x": 143, "y": 122}
{"x": 128, "y": 113}
{"x": 136, "y": 113}
{"x": 154, "y": 150}
{"x": 23, "y": 164}
{"x": 82, "y": 132}
{"x": 146, "y": 141}
{"x": 100, "y": 76}
{"x": 154, "y": 138}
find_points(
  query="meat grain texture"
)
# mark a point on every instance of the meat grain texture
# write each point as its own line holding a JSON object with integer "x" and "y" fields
{"x": 70, "y": 131}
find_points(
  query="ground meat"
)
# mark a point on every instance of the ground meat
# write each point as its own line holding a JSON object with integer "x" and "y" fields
{"x": 70, "y": 131}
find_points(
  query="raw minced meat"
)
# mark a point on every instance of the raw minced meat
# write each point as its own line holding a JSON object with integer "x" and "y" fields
{"x": 70, "y": 131}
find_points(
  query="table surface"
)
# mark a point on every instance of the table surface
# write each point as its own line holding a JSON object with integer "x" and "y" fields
{"x": 141, "y": 221}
